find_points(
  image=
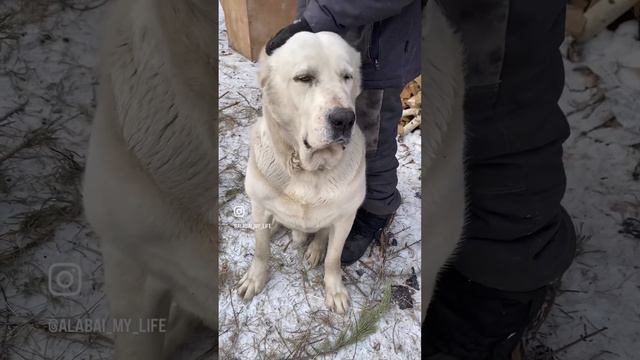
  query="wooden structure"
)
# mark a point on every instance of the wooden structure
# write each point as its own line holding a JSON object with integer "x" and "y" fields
{"x": 251, "y": 23}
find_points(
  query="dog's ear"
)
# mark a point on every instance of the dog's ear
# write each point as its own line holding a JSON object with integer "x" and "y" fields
{"x": 263, "y": 68}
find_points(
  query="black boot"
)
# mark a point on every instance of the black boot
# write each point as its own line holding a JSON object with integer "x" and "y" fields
{"x": 366, "y": 228}
{"x": 468, "y": 320}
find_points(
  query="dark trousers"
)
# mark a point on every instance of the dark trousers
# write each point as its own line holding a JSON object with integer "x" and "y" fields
{"x": 378, "y": 112}
{"x": 518, "y": 238}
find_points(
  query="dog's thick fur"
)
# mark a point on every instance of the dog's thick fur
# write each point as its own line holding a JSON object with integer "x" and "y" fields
{"x": 297, "y": 175}
{"x": 149, "y": 187}
{"x": 443, "y": 186}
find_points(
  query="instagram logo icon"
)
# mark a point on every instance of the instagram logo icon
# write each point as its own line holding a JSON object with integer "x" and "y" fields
{"x": 64, "y": 279}
{"x": 239, "y": 211}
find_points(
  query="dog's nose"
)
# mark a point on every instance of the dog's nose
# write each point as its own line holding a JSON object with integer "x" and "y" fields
{"x": 341, "y": 119}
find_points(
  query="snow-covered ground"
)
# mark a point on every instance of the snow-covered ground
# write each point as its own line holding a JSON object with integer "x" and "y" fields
{"x": 602, "y": 158}
{"x": 47, "y": 52}
{"x": 288, "y": 319}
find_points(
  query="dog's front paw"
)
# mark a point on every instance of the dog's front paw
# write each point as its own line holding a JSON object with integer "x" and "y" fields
{"x": 253, "y": 281}
{"x": 315, "y": 253}
{"x": 336, "y": 297}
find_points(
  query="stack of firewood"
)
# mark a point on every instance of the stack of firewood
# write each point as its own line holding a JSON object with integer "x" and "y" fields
{"x": 411, "y": 97}
{"x": 586, "y": 18}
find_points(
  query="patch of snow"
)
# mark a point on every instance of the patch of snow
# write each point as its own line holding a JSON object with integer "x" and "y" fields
{"x": 600, "y": 289}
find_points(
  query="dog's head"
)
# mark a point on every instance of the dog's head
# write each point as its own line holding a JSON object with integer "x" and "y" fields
{"x": 309, "y": 88}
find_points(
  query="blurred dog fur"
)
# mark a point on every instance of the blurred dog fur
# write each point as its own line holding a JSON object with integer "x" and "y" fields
{"x": 443, "y": 181}
{"x": 149, "y": 185}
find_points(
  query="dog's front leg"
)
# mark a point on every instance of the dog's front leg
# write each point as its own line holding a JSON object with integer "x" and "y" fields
{"x": 336, "y": 295}
{"x": 253, "y": 281}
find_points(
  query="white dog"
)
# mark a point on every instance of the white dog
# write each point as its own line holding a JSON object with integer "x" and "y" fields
{"x": 307, "y": 162}
{"x": 149, "y": 187}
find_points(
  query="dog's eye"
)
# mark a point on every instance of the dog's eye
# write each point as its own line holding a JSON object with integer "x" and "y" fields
{"x": 347, "y": 77}
{"x": 304, "y": 78}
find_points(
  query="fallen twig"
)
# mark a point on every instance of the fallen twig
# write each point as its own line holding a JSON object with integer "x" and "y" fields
{"x": 230, "y": 105}
{"x": 13, "y": 111}
{"x": 581, "y": 339}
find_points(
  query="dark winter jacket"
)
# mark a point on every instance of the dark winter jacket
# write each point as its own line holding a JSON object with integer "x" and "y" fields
{"x": 386, "y": 32}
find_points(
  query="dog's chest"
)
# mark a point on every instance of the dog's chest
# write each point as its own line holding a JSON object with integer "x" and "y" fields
{"x": 308, "y": 205}
{"x": 310, "y": 190}
{"x": 300, "y": 200}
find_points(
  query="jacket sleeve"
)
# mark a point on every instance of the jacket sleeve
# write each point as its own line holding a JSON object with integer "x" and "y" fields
{"x": 340, "y": 15}
{"x": 300, "y": 6}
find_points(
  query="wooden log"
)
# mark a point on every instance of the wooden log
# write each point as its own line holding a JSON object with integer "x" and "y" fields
{"x": 410, "y": 112}
{"x": 411, "y": 125}
{"x": 576, "y": 21}
{"x": 601, "y": 14}
{"x": 415, "y": 101}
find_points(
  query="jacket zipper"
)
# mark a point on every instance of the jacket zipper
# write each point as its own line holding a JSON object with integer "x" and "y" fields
{"x": 375, "y": 41}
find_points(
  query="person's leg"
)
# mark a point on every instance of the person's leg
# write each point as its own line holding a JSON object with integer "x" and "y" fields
{"x": 470, "y": 320}
{"x": 518, "y": 238}
{"x": 515, "y": 238}
{"x": 467, "y": 320}
{"x": 377, "y": 112}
